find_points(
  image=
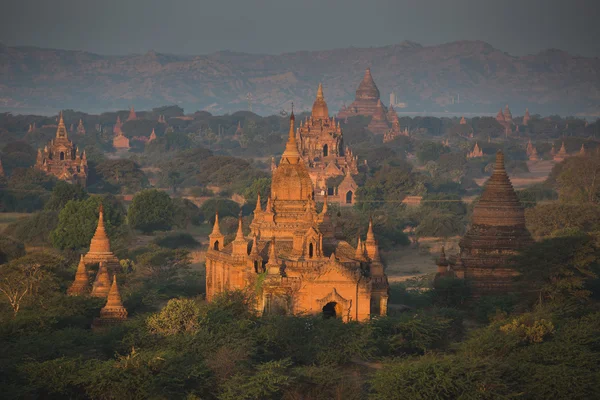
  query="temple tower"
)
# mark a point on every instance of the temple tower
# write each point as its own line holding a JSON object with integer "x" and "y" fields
{"x": 496, "y": 233}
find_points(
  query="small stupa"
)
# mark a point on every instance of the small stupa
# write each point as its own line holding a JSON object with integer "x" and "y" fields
{"x": 100, "y": 246}
{"x": 81, "y": 284}
{"x": 562, "y": 153}
{"x": 113, "y": 312}
{"x": 101, "y": 284}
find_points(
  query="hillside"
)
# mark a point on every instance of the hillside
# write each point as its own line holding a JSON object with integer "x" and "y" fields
{"x": 425, "y": 77}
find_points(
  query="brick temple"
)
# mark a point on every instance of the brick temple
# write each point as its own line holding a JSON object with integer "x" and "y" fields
{"x": 293, "y": 261}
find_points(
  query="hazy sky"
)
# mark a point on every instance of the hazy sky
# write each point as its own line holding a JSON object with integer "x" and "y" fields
{"x": 274, "y": 26}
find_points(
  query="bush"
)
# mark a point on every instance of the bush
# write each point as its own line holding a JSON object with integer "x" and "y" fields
{"x": 177, "y": 240}
{"x": 151, "y": 210}
{"x": 10, "y": 249}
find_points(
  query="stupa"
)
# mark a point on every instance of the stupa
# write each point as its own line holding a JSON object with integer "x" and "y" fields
{"x": 132, "y": 115}
{"x": 81, "y": 284}
{"x": 308, "y": 269}
{"x": 100, "y": 246}
{"x": 496, "y": 233}
{"x": 101, "y": 284}
{"x": 113, "y": 312}
{"x": 562, "y": 154}
{"x": 526, "y": 117}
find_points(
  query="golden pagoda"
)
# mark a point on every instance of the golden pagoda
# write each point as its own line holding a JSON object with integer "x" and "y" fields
{"x": 307, "y": 269}
{"x": 100, "y": 246}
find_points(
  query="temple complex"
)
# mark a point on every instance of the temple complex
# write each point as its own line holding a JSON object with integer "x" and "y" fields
{"x": 562, "y": 153}
{"x": 80, "y": 128}
{"x": 293, "y": 261}
{"x": 81, "y": 284}
{"x": 113, "y": 312}
{"x": 367, "y": 103}
{"x": 321, "y": 146}
{"x": 477, "y": 152}
{"x": 496, "y": 233}
{"x": 100, "y": 246}
{"x": 62, "y": 159}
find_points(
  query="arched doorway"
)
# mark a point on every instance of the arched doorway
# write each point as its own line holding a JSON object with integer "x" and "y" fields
{"x": 349, "y": 197}
{"x": 62, "y": 155}
{"x": 325, "y": 151}
{"x": 216, "y": 245}
{"x": 329, "y": 310}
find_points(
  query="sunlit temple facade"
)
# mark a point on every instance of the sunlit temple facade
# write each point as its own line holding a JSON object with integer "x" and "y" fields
{"x": 293, "y": 261}
{"x": 62, "y": 159}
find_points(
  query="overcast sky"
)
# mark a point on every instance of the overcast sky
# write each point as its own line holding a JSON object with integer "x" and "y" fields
{"x": 275, "y": 26}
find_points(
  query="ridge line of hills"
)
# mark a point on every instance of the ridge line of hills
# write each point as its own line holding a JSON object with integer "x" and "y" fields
{"x": 462, "y": 76}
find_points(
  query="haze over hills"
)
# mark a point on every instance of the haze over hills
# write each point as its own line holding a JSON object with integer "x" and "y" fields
{"x": 426, "y": 78}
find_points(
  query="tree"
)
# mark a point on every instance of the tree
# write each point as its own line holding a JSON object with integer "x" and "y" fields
{"x": 62, "y": 193}
{"x": 163, "y": 265}
{"x": 10, "y": 249}
{"x": 125, "y": 174}
{"x": 78, "y": 220}
{"x": 579, "y": 179}
{"x": 24, "y": 278}
{"x": 178, "y": 316}
{"x": 151, "y": 210}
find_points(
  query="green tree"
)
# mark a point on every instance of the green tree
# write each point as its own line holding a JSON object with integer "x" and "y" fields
{"x": 124, "y": 174}
{"x": 178, "y": 316}
{"x": 151, "y": 210}
{"x": 62, "y": 193}
{"x": 78, "y": 220}
{"x": 10, "y": 249}
{"x": 579, "y": 179}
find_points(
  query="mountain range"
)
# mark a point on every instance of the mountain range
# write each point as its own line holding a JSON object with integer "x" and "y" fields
{"x": 464, "y": 76}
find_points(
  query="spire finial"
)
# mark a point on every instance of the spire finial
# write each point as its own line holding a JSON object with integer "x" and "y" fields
{"x": 240, "y": 232}
{"x": 216, "y": 229}
{"x": 258, "y": 206}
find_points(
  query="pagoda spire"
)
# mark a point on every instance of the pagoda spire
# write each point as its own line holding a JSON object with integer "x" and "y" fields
{"x": 360, "y": 251}
{"x": 61, "y": 131}
{"x": 258, "y": 208}
{"x": 370, "y": 235}
{"x": 81, "y": 284}
{"x": 273, "y": 267}
{"x": 371, "y": 243}
{"x": 291, "y": 154}
{"x": 324, "y": 211}
{"x": 216, "y": 237}
{"x": 100, "y": 242}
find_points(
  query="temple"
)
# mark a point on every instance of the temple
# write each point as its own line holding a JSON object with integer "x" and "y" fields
{"x": 504, "y": 118}
{"x": 321, "y": 146}
{"x": 62, "y": 159}
{"x": 368, "y": 103}
{"x": 113, "y": 312}
{"x": 293, "y": 261}
{"x": 497, "y": 232}
{"x": 477, "y": 152}
{"x": 100, "y": 246}
{"x": 132, "y": 116}
{"x": 526, "y": 117}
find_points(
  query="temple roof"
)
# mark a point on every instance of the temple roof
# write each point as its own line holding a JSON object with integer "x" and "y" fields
{"x": 367, "y": 88}
{"x": 319, "y": 109}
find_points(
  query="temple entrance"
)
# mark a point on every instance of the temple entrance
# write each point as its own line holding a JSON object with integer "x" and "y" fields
{"x": 325, "y": 151}
{"x": 330, "y": 191}
{"x": 349, "y": 197}
{"x": 62, "y": 156}
{"x": 216, "y": 245}
{"x": 329, "y": 310}
{"x": 310, "y": 250}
